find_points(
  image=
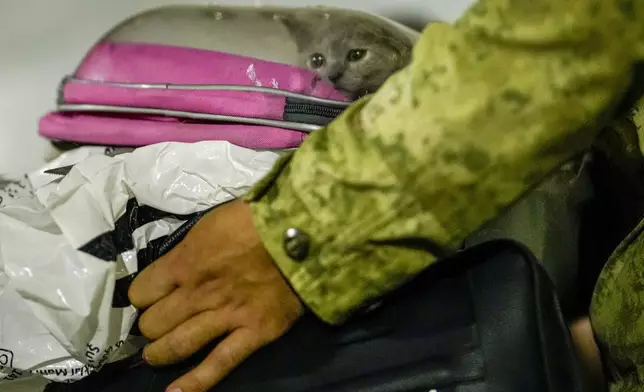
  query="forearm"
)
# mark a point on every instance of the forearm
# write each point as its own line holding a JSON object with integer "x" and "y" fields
{"x": 486, "y": 109}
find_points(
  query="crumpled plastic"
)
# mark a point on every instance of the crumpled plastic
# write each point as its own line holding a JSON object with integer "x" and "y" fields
{"x": 66, "y": 245}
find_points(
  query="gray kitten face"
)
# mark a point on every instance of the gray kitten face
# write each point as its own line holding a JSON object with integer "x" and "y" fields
{"x": 356, "y": 55}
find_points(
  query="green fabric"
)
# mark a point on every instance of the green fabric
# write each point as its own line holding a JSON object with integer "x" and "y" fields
{"x": 617, "y": 308}
{"x": 487, "y": 108}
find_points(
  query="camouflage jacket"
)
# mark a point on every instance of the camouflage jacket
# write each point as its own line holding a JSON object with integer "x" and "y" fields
{"x": 486, "y": 109}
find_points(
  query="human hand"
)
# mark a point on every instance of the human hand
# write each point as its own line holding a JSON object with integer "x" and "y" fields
{"x": 583, "y": 339}
{"x": 218, "y": 281}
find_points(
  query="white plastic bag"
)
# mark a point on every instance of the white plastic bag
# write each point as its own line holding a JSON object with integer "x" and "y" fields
{"x": 59, "y": 311}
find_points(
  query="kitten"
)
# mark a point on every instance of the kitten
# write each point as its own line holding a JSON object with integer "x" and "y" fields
{"x": 356, "y": 53}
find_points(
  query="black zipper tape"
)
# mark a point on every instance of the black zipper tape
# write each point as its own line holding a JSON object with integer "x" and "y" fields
{"x": 300, "y": 111}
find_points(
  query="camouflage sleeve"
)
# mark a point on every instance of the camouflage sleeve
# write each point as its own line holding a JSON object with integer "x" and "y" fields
{"x": 485, "y": 110}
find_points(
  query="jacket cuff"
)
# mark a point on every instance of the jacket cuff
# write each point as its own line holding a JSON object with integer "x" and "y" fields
{"x": 336, "y": 280}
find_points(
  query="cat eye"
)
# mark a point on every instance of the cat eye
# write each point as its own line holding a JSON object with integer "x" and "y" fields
{"x": 356, "y": 54}
{"x": 317, "y": 60}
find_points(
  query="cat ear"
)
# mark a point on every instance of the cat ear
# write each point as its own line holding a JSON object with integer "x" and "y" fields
{"x": 301, "y": 24}
{"x": 295, "y": 27}
{"x": 299, "y": 30}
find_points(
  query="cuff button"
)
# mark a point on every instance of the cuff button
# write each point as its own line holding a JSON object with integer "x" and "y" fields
{"x": 296, "y": 244}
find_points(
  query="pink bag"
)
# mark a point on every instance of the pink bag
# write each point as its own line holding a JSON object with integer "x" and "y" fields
{"x": 193, "y": 73}
{"x": 122, "y": 91}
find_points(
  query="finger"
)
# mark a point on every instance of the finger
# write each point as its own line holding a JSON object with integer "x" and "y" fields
{"x": 179, "y": 306}
{"x": 168, "y": 313}
{"x": 186, "y": 339}
{"x": 228, "y": 354}
{"x": 155, "y": 282}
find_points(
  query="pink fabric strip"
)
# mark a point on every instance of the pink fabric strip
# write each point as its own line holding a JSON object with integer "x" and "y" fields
{"x": 231, "y": 103}
{"x": 153, "y": 63}
{"x": 120, "y": 131}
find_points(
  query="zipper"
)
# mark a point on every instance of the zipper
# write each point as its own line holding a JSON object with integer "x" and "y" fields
{"x": 312, "y": 109}
{"x": 300, "y": 111}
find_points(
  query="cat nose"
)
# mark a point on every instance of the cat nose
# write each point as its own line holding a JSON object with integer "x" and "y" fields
{"x": 335, "y": 77}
